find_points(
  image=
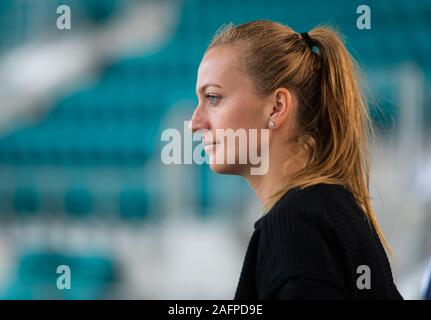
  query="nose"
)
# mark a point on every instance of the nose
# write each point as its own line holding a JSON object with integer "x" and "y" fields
{"x": 199, "y": 120}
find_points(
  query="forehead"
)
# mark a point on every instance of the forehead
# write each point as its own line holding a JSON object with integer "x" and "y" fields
{"x": 219, "y": 65}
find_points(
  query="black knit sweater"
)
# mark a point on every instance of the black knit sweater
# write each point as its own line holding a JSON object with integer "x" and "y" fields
{"x": 314, "y": 244}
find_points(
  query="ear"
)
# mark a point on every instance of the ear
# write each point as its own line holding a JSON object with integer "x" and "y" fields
{"x": 281, "y": 106}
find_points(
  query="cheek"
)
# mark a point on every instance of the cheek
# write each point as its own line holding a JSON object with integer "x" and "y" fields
{"x": 241, "y": 113}
{"x": 247, "y": 117}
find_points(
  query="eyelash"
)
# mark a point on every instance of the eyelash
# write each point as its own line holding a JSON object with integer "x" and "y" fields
{"x": 209, "y": 96}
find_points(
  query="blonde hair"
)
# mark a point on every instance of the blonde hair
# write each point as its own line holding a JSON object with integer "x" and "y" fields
{"x": 333, "y": 123}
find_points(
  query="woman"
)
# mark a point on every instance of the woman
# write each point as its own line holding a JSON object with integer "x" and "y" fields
{"x": 320, "y": 238}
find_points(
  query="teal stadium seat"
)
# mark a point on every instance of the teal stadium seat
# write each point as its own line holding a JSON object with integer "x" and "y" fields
{"x": 134, "y": 204}
{"x": 26, "y": 201}
{"x": 92, "y": 276}
{"x": 78, "y": 202}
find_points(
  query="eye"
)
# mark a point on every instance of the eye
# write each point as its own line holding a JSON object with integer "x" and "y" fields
{"x": 213, "y": 99}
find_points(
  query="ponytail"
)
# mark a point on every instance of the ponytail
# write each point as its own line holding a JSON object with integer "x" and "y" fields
{"x": 345, "y": 113}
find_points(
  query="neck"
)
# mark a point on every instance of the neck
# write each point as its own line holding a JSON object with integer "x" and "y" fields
{"x": 279, "y": 171}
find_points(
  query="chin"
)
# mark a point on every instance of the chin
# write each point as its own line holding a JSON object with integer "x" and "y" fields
{"x": 231, "y": 169}
{"x": 221, "y": 168}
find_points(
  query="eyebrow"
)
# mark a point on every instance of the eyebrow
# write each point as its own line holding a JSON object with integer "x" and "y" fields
{"x": 202, "y": 89}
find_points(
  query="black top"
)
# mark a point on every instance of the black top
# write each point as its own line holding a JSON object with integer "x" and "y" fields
{"x": 316, "y": 243}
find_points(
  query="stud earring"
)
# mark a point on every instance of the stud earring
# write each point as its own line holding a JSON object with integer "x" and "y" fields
{"x": 271, "y": 124}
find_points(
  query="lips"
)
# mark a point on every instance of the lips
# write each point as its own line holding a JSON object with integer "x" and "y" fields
{"x": 210, "y": 146}
{"x": 208, "y": 143}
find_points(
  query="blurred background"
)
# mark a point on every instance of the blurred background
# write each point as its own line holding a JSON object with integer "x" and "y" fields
{"x": 81, "y": 115}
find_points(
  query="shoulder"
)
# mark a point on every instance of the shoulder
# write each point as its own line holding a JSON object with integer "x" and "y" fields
{"x": 308, "y": 204}
{"x": 296, "y": 241}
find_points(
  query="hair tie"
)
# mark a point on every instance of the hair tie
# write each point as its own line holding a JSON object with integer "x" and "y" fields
{"x": 307, "y": 39}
